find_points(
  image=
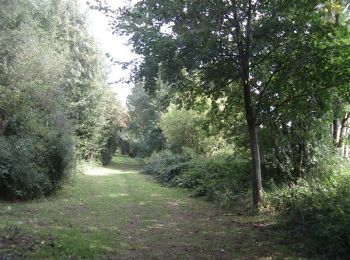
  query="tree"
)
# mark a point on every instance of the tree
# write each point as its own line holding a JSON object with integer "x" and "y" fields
{"x": 184, "y": 128}
{"x": 116, "y": 122}
{"x": 233, "y": 47}
{"x": 143, "y": 129}
{"x": 88, "y": 99}
{"x": 337, "y": 14}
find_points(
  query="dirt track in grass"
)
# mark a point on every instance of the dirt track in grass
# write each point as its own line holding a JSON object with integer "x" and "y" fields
{"x": 115, "y": 212}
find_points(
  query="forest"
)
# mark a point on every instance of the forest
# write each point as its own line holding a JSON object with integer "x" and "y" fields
{"x": 235, "y": 137}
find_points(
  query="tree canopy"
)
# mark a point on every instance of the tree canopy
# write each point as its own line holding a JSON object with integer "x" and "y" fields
{"x": 270, "y": 54}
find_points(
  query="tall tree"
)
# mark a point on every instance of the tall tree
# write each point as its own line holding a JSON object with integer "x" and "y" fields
{"x": 234, "y": 47}
{"x": 337, "y": 12}
{"x": 143, "y": 129}
{"x": 88, "y": 100}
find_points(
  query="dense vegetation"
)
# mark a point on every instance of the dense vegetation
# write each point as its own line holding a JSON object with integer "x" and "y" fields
{"x": 243, "y": 102}
{"x": 55, "y": 107}
{"x": 249, "y": 86}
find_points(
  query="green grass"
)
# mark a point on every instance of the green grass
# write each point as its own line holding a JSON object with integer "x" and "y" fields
{"x": 117, "y": 213}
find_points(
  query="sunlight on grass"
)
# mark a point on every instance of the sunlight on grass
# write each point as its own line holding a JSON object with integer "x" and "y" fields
{"x": 141, "y": 203}
{"x": 118, "y": 195}
{"x": 156, "y": 195}
{"x": 100, "y": 171}
{"x": 157, "y": 226}
{"x": 114, "y": 212}
{"x": 173, "y": 204}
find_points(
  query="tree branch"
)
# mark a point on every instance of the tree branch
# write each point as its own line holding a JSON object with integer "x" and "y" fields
{"x": 267, "y": 83}
{"x": 300, "y": 95}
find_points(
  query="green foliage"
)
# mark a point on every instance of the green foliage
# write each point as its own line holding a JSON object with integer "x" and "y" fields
{"x": 53, "y": 95}
{"x": 89, "y": 103}
{"x": 317, "y": 210}
{"x": 145, "y": 135}
{"x": 284, "y": 60}
{"x": 90, "y": 206}
{"x": 292, "y": 151}
{"x": 36, "y": 138}
{"x": 281, "y": 64}
{"x": 146, "y": 143}
{"x": 36, "y": 154}
{"x": 184, "y": 128}
{"x": 222, "y": 180}
{"x": 115, "y": 121}
{"x": 166, "y": 165}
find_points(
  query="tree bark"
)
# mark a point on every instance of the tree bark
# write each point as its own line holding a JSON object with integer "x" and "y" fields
{"x": 252, "y": 127}
{"x": 243, "y": 41}
{"x": 343, "y": 130}
{"x": 254, "y": 147}
{"x": 340, "y": 133}
{"x": 336, "y": 131}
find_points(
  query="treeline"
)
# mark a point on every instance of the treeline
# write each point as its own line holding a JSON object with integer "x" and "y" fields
{"x": 55, "y": 106}
{"x": 247, "y": 99}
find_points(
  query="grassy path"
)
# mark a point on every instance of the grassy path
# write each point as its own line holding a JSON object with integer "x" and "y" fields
{"x": 117, "y": 213}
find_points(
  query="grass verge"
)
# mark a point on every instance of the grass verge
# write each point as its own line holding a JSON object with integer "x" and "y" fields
{"x": 115, "y": 212}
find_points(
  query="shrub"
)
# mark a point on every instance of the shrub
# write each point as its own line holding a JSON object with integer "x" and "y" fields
{"x": 318, "y": 211}
{"x": 36, "y": 154}
{"x": 166, "y": 165}
{"x": 20, "y": 176}
{"x": 219, "y": 179}
{"x": 108, "y": 150}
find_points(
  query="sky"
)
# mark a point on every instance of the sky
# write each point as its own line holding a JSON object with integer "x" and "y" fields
{"x": 115, "y": 45}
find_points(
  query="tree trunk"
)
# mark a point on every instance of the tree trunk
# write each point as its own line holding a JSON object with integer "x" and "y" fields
{"x": 254, "y": 147}
{"x": 336, "y": 131}
{"x": 343, "y": 130}
{"x": 256, "y": 163}
{"x": 244, "y": 47}
{"x": 340, "y": 133}
{"x": 347, "y": 146}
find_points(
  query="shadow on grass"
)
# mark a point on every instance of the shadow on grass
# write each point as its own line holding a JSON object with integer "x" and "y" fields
{"x": 126, "y": 215}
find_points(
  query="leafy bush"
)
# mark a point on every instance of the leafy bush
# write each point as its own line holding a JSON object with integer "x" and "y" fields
{"x": 184, "y": 128}
{"x": 151, "y": 140}
{"x": 318, "y": 211}
{"x": 36, "y": 154}
{"x": 108, "y": 150}
{"x": 166, "y": 165}
{"x": 219, "y": 179}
